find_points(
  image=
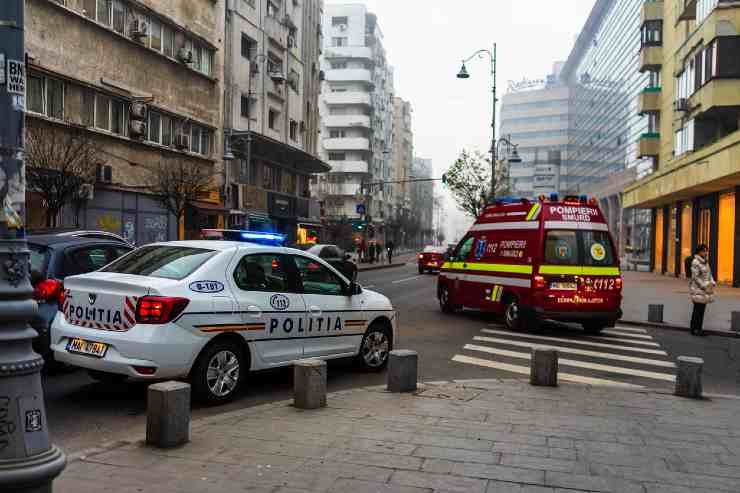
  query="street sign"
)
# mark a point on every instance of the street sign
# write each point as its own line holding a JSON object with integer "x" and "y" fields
{"x": 16, "y": 77}
{"x": 361, "y": 209}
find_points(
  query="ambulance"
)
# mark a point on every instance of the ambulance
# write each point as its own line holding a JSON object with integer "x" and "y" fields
{"x": 535, "y": 260}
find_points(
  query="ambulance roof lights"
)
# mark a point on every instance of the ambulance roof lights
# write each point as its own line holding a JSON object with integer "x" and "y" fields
{"x": 584, "y": 199}
{"x": 554, "y": 197}
{"x": 592, "y": 202}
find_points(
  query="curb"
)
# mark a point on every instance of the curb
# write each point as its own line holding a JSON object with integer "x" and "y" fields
{"x": 656, "y": 325}
{"x": 379, "y": 267}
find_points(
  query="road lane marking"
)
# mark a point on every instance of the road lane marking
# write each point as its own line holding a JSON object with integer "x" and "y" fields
{"x": 577, "y": 364}
{"x": 407, "y": 279}
{"x": 578, "y": 342}
{"x": 616, "y": 339}
{"x": 626, "y": 334}
{"x": 524, "y": 370}
{"x": 581, "y": 352}
{"x": 631, "y": 329}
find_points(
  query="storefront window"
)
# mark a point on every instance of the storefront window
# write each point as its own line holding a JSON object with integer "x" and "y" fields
{"x": 659, "y": 240}
{"x": 726, "y": 238}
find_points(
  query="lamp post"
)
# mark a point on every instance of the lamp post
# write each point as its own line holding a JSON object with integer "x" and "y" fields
{"x": 28, "y": 461}
{"x": 463, "y": 74}
{"x": 504, "y": 146}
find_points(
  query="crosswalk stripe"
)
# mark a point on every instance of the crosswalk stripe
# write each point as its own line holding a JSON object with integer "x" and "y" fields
{"x": 578, "y": 342}
{"x": 631, "y": 329}
{"x": 617, "y": 339}
{"x": 566, "y": 377}
{"x": 577, "y": 364}
{"x": 617, "y": 332}
{"x": 580, "y": 352}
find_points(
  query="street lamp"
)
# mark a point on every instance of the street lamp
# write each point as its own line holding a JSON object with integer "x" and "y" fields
{"x": 463, "y": 74}
{"x": 28, "y": 461}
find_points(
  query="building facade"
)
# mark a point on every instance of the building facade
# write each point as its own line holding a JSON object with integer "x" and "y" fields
{"x": 692, "y": 50}
{"x": 356, "y": 111}
{"x": 271, "y": 117}
{"x": 534, "y": 117}
{"x": 605, "y": 123}
{"x": 402, "y": 157}
{"x": 422, "y": 202}
{"x": 141, "y": 80}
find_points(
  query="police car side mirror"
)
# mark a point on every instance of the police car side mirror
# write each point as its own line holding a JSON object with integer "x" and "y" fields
{"x": 354, "y": 289}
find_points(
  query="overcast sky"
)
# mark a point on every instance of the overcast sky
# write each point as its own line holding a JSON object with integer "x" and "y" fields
{"x": 426, "y": 40}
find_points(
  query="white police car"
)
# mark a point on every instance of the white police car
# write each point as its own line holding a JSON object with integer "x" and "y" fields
{"x": 212, "y": 310}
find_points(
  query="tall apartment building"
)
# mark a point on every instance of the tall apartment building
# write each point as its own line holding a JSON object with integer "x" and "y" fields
{"x": 422, "y": 201}
{"x": 356, "y": 111}
{"x": 534, "y": 116}
{"x": 402, "y": 156}
{"x": 142, "y": 80}
{"x": 605, "y": 123}
{"x": 271, "y": 116}
{"x": 691, "y": 49}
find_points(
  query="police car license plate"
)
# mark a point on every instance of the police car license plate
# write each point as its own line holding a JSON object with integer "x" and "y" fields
{"x": 563, "y": 286}
{"x": 81, "y": 346}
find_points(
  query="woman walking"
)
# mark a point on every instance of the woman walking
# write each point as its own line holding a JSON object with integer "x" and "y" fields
{"x": 701, "y": 288}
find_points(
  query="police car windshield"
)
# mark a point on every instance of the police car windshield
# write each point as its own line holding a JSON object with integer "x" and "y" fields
{"x": 168, "y": 262}
{"x": 578, "y": 248}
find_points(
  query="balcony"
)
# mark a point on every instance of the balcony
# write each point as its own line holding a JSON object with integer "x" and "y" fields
{"x": 345, "y": 52}
{"x": 649, "y": 101}
{"x": 347, "y": 144}
{"x": 717, "y": 97}
{"x": 651, "y": 58}
{"x": 349, "y": 167}
{"x": 350, "y": 189}
{"x": 347, "y": 98}
{"x": 275, "y": 30}
{"x": 347, "y": 121}
{"x": 686, "y": 10}
{"x": 651, "y": 11}
{"x": 350, "y": 75}
{"x": 648, "y": 145}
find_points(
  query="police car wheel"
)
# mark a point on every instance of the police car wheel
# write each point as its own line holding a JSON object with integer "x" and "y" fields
{"x": 217, "y": 376}
{"x": 512, "y": 315}
{"x": 375, "y": 348}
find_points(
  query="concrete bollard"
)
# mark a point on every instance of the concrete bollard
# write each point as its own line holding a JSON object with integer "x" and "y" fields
{"x": 688, "y": 378}
{"x": 543, "y": 369}
{"x": 168, "y": 414}
{"x": 403, "y": 370}
{"x": 655, "y": 314}
{"x": 735, "y": 321}
{"x": 309, "y": 384}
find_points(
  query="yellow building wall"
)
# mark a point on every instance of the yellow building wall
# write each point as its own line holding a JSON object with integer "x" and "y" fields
{"x": 659, "y": 240}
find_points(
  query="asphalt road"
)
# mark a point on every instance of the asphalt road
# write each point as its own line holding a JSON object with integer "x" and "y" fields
{"x": 82, "y": 414}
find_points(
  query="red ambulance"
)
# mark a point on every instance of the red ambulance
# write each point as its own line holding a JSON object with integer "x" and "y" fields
{"x": 531, "y": 261}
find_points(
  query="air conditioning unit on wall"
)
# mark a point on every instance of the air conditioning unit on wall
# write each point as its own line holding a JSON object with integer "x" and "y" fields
{"x": 185, "y": 55}
{"x": 138, "y": 111}
{"x": 137, "y": 128}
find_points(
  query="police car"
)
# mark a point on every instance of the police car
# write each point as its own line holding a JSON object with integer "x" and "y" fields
{"x": 210, "y": 311}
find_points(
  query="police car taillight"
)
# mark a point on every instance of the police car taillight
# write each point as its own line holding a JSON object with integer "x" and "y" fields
{"x": 159, "y": 309}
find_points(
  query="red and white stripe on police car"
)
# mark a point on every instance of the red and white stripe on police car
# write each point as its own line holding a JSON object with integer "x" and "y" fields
{"x": 129, "y": 317}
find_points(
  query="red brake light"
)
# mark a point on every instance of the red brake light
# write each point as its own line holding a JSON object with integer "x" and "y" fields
{"x": 421, "y": 255}
{"x": 539, "y": 282}
{"x": 618, "y": 283}
{"x": 48, "y": 290}
{"x": 159, "y": 309}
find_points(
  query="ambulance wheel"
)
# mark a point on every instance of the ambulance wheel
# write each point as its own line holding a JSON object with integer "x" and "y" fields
{"x": 375, "y": 348}
{"x": 592, "y": 328}
{"x": 218, "y": 373}
{"x": 512, "y": 314}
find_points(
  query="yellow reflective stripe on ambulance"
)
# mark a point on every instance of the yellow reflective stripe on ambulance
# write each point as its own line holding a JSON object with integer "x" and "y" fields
{"x": 534, "y": 212}
{"x": 579, "y": 270}
{"x": 479, "y": 266}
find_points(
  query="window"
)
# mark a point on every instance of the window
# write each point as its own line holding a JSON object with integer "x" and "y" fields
{"x": 168, "y": 41}
{"x": 317, "y": 279}
{"x": 294, "y": 80}
{"x": 195, "y": 135}
{"x": 652, "y": 33}
{"x": 597, "y": 248}
{"x": 704, "y": 8}
{"x": 273, "y": 9}
{"x": 103, "y": 14}
{"x": 205, "y": 142}
{"x": 167, "y": 131}
{"x": 119, "y": 16}
{"x": 274, "y": 65}
{"x": 118, "y": 117}
{"x": 339, "y": 21}
{"x": 337, "y": 134}
{"x": 272, "y": 119}
{"x": 464, "y": 249}
{"x": 87, "y": 115}
{"x": 155, "y": 122}
{"x": 293, "y": 130}
{"x": 54, "y": 98}
{"x": 202, "y": 57}
{"x": 248, "y": 46}
{"x": 253, "y": 172}
{"x": 155, "y": 30}
{"x": 261, "y": 273}
{"x": 83, "y": 260}
{"x": 337, "y": 156}
{"x": 338, "y": 65}
{"x": 338, "y": 42}
{"x": 35, "y": 93}
{"x": 561, "y": 248}
{"x": 246, "y": 106}
{"x": 102, "y": 112}
{"x": 168, "y": 262}
{"x": 267, "y": 176}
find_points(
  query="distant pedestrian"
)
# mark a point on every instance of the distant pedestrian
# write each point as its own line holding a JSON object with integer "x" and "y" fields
{"x": 379, "y": 252}
{"x": 371, "y": 252}
{"x": 389, "y": 248}
{"x": 701, "y": 288}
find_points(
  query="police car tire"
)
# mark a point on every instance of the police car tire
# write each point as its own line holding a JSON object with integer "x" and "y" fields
{"x": 201, "y": 392}
{"x": 371, "y": 330}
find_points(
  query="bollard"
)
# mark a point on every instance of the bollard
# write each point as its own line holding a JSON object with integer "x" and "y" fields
{"x": 655, "y": 313}
{"x": 168, "y": 414}
{"x": 543, "y": 369}
{"x": 402, "y": 370}
{"x": 735, "y": 321}
{"x": 688, "y": 378}
{"x": 309, "y": 384}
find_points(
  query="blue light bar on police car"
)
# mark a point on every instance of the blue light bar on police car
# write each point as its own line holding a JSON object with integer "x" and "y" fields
{"x": 263, "y": 238}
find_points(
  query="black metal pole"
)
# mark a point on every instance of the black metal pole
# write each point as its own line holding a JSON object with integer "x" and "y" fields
{"x": 493, "y": 125}
{"x": 28, "y": 461}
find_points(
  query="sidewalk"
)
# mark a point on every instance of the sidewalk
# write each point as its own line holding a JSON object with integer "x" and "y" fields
{"x": 398, "y": 261}
{"x": 643, "y": 288}
{"x": 492, "y": 436}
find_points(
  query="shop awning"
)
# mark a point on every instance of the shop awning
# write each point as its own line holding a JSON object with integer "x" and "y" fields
{"x": 209, "y": 209}
{"x": 275, "y": 151}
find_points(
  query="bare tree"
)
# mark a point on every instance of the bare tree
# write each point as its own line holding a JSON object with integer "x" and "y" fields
{"x": 59, "y": 162}
{"x": 178, "y": 183}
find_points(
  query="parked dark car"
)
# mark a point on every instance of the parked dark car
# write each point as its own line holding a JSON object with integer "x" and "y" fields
{"x": 55, "y": 257}
{"x": 338, "y": 258}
